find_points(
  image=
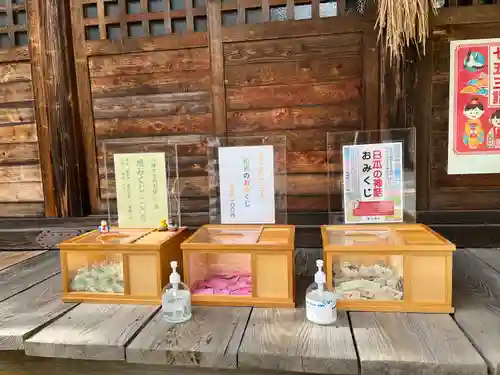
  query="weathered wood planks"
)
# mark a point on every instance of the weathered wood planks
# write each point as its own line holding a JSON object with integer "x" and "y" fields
{"x": 150, "y": 93}
{"x": 161, "y": 125}
{"x": 20, "y": 71}
{"x": 17, "y": 363}
{"x": 21, "y": 189}
{"x": 293, "y": 72}
{"x": 210, "y": 339}
{"x": 152, "y": 105}
{"x": 18, "y": 113}
{"x": 188, "y": 60}
{"x": 413, "y": 343}
{"x": 10, "y": 258}
{"x": 28, "y": 312}
{"x": 291, "y": 95}
{"x": 25, "y": 274}
{"x": 254, "y": 340}
{"x": 476, "y": 296}
{"x": 298, "y": 86}
{"x": 283, "y": 340}
{"x": 97, "y": 332}
{"x": 287, "y": 49}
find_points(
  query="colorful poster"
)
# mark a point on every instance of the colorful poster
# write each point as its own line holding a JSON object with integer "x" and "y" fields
{"x": 141, "y": 189}
{"x": 246, "y": 181}
{"x": 474, "y": 109}
{"x": 373, "y": 183}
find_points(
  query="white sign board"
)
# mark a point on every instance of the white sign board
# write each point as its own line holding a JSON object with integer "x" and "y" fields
{"x": 373, "y": 183}
{"x": 246, "y": 181}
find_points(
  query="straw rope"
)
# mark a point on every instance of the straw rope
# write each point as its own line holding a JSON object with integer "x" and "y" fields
{"x": 402, "y": 23}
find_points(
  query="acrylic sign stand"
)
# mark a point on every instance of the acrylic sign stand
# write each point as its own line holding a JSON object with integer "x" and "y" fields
{"x": 125, "y": 263}
{"x": 381, "y": 260}
{"x": 241, "y": 258}
{"x": 235, "y": 150}
{"x": 371, "y": 176}
{"x": 144, "y": 153}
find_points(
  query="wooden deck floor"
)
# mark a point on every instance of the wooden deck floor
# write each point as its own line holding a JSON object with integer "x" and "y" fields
{"x": 41, "y": 335}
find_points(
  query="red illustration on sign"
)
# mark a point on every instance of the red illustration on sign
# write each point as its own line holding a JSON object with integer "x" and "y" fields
{"x": 374, "y": 208}
{"x": 477, "y": 99}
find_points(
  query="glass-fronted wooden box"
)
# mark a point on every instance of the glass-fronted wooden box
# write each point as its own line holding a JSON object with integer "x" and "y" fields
{"x": 396, "y": 267}
{"x": 122, "y": 266}
{"x": 241, "y": 265}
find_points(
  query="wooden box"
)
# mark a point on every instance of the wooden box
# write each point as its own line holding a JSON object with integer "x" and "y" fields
{"x": 241, "y": 265}
{"x": 396, "y": 267}
{"x": 123, "y": 266}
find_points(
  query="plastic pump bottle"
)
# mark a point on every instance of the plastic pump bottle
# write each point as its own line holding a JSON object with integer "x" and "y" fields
{"x": 176, "y": 298}
{"x": 321, "y": 304}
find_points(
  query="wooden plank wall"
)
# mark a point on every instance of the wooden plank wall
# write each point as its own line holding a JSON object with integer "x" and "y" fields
{"x": 138, "y": 86}
{"x": 21, "y": 190}
{"x": 266, "y": 67}
{"x": 299, "y": 86}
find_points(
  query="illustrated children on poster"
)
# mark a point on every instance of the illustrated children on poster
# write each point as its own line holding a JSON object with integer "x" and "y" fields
{"x": 474, "y": 107}
{"x": 473, "y": 132}
{"x": 493, "y": 137}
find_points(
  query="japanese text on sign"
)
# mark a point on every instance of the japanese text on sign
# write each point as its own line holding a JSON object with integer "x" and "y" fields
{"x": 246, "y": 181}
{"x": 494, "y": 97}
{"x": 373, "y": 181}
{"x": 141, "y": 189}
{"x": 373, "y": 188}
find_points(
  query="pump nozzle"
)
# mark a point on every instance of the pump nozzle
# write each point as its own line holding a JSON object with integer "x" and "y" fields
{"x": 175, "y": 278}
{"x": 320, "y": 277}
{"x": 319, "y": 264}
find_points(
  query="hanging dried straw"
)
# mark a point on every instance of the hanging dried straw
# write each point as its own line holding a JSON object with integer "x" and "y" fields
{"x": 404, "y": 22}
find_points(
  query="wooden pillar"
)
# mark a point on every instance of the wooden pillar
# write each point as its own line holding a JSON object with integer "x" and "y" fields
{"x": 371, "y": 70}
{"x": 55, "y": 111}
{"x": 217, "y": 66}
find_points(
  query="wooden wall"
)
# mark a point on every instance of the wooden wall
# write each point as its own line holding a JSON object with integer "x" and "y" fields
{"x": 300, "y": 85}
{"x": 21, "y": 190}
{"x": 265, "y": 67}
{"x": 144, "y": 70}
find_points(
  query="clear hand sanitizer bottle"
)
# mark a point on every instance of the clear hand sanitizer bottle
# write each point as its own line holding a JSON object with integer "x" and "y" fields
{"x": 176, "y": 299}
{"x": 321, "y": 304}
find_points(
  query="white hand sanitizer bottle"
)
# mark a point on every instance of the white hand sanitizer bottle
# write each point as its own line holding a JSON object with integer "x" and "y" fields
{"x": 321, "y": 304}
{"x": 176, "y": 299}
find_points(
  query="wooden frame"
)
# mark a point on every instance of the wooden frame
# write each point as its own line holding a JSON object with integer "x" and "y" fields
{"x": 161, "y": 252}
{"x": 428, "y": 291}
{"x": 282, "y": 248}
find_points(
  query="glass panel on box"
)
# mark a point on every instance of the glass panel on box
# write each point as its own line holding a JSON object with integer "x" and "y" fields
{"x": 220, "y": 273}
{"x": 139, "y": 181}
{"x": 368, "y": 276}
{"x": 338, "y": 236}
{"x": 247, "y": 180}
{"x": 124, "y": 236}
{"x": 371, "y": 176}
{"x": 227, "y": 236}
{"x": 96, "y": 272}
